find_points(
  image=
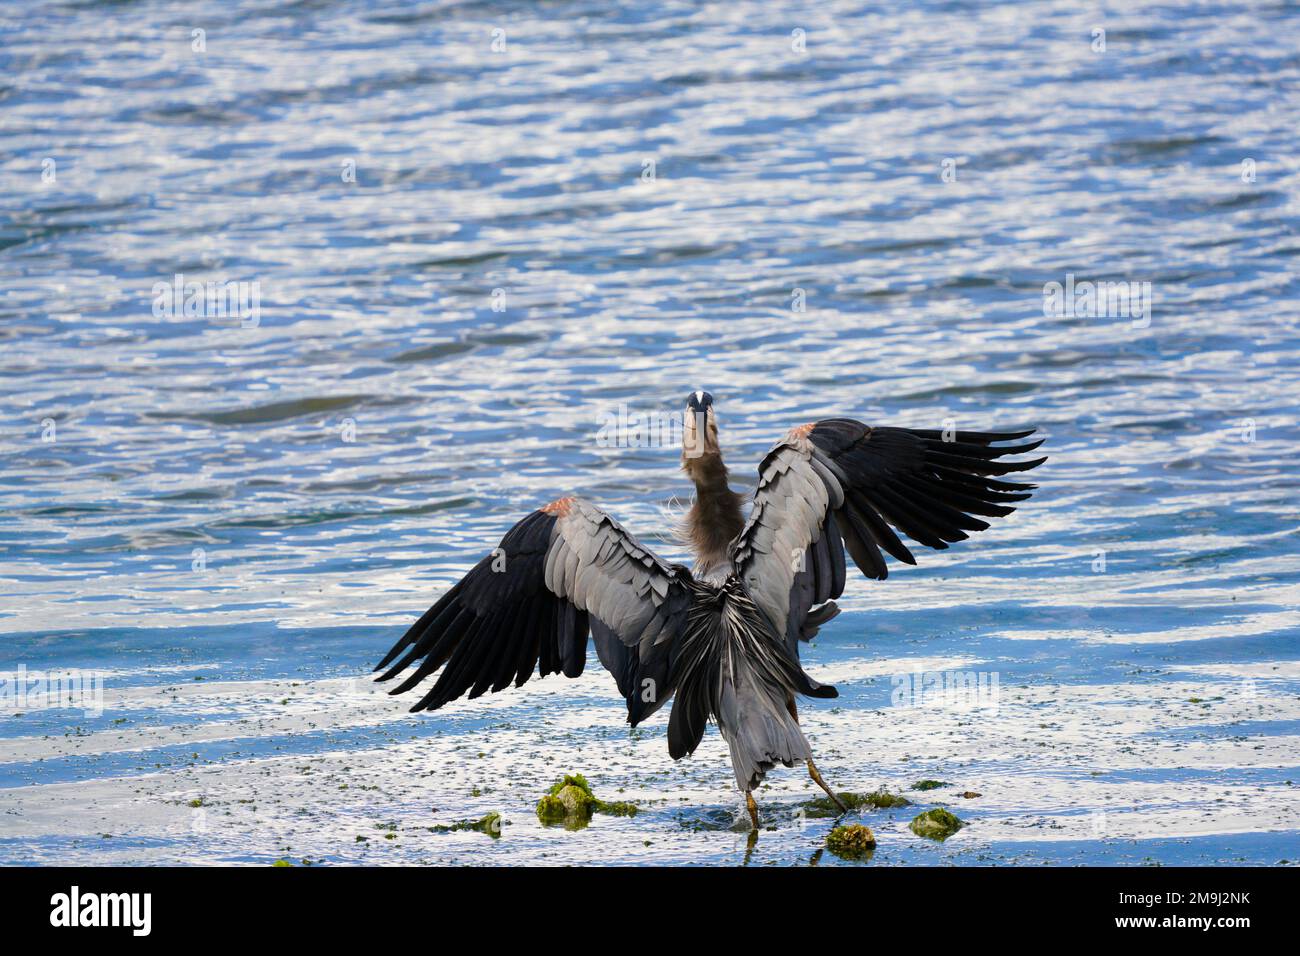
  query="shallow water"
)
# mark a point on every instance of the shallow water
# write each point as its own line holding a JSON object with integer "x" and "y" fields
{"x": 229, "y": 525}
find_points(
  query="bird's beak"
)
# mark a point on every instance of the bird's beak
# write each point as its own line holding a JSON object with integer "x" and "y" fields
{"x": 695, "y": 429}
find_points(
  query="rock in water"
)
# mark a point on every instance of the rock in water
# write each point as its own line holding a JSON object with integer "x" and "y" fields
{"x": 877, "y": 800}
{"x": 550, "y": 810}
{"x": 571, "y": 802}
{"x": 576, "y": 801}
{"x": 852, "y": 842}
{"x": 936, "y": 824}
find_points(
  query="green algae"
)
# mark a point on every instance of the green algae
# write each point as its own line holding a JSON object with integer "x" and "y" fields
{"x": 571, "y": 802}
{"x": 617, "y": 808}
{"x": 490, "y": 824}
{"x": 876, "y": 800}
{"x": 936, "y": 824}
{"x": 852, "y": 842}
{"x": 550, "y": 809}
{"x": 570, "y": 780}
{"x": 576, "y": 801}
{"x": 930, "y": 784}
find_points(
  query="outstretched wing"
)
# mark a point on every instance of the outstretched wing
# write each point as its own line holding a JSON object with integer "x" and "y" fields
{"x": 839, "y": 484}
{"x": 559, "y": 571}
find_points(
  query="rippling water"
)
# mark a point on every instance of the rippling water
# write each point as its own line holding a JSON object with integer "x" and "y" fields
{"x": 477, "y": 231}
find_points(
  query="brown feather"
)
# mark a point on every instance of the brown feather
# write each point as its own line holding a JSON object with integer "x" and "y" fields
{"x": 715, "y": 517}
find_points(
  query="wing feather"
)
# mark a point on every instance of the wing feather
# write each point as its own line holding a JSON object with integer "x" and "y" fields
{"x": 559, "y": 573}
{"x": 840, "y": 485}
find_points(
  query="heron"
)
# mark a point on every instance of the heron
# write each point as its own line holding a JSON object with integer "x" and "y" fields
{"x": 719, "y": 638}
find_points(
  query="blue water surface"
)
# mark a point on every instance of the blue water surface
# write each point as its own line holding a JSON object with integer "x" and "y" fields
{"x": 478, "y": 232}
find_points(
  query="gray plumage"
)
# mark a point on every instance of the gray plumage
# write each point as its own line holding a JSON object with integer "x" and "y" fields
{"x": 721, "y": 639}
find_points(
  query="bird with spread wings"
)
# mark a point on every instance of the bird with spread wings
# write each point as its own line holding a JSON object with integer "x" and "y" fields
{"x": 721, "y": 638}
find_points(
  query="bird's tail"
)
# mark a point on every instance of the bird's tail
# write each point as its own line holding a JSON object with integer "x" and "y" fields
{"x": 755, "y": 720}
{"x": 733, "y": 668}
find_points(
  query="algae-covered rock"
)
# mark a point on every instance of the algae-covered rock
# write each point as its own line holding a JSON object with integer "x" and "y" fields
{"x": 851, "y": 842}
{"x": 876, "y": 800}
{"x": 618, "y": 808}
{"x": 489, "y": 824}
{"x": 550, "y": 810}
{"x": 571, "y": 802}
{"x": 570, "y": 780}
{"x": 936, "y": 824}
{"x": 883, "y": 800}
{"x": 576, "y": 801}
{"x": 929, "y": 784}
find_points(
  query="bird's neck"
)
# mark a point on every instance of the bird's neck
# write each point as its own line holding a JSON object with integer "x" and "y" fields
{"x": 715, "y": 517}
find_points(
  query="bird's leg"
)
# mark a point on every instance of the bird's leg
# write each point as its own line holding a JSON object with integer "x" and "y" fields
{"x": 812, "y": 767}
{"x": 813, "y": 772}
{"x": 753, "y": 808}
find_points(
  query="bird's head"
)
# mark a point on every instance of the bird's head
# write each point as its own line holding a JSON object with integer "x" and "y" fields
{"x": 699, "y": 427}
